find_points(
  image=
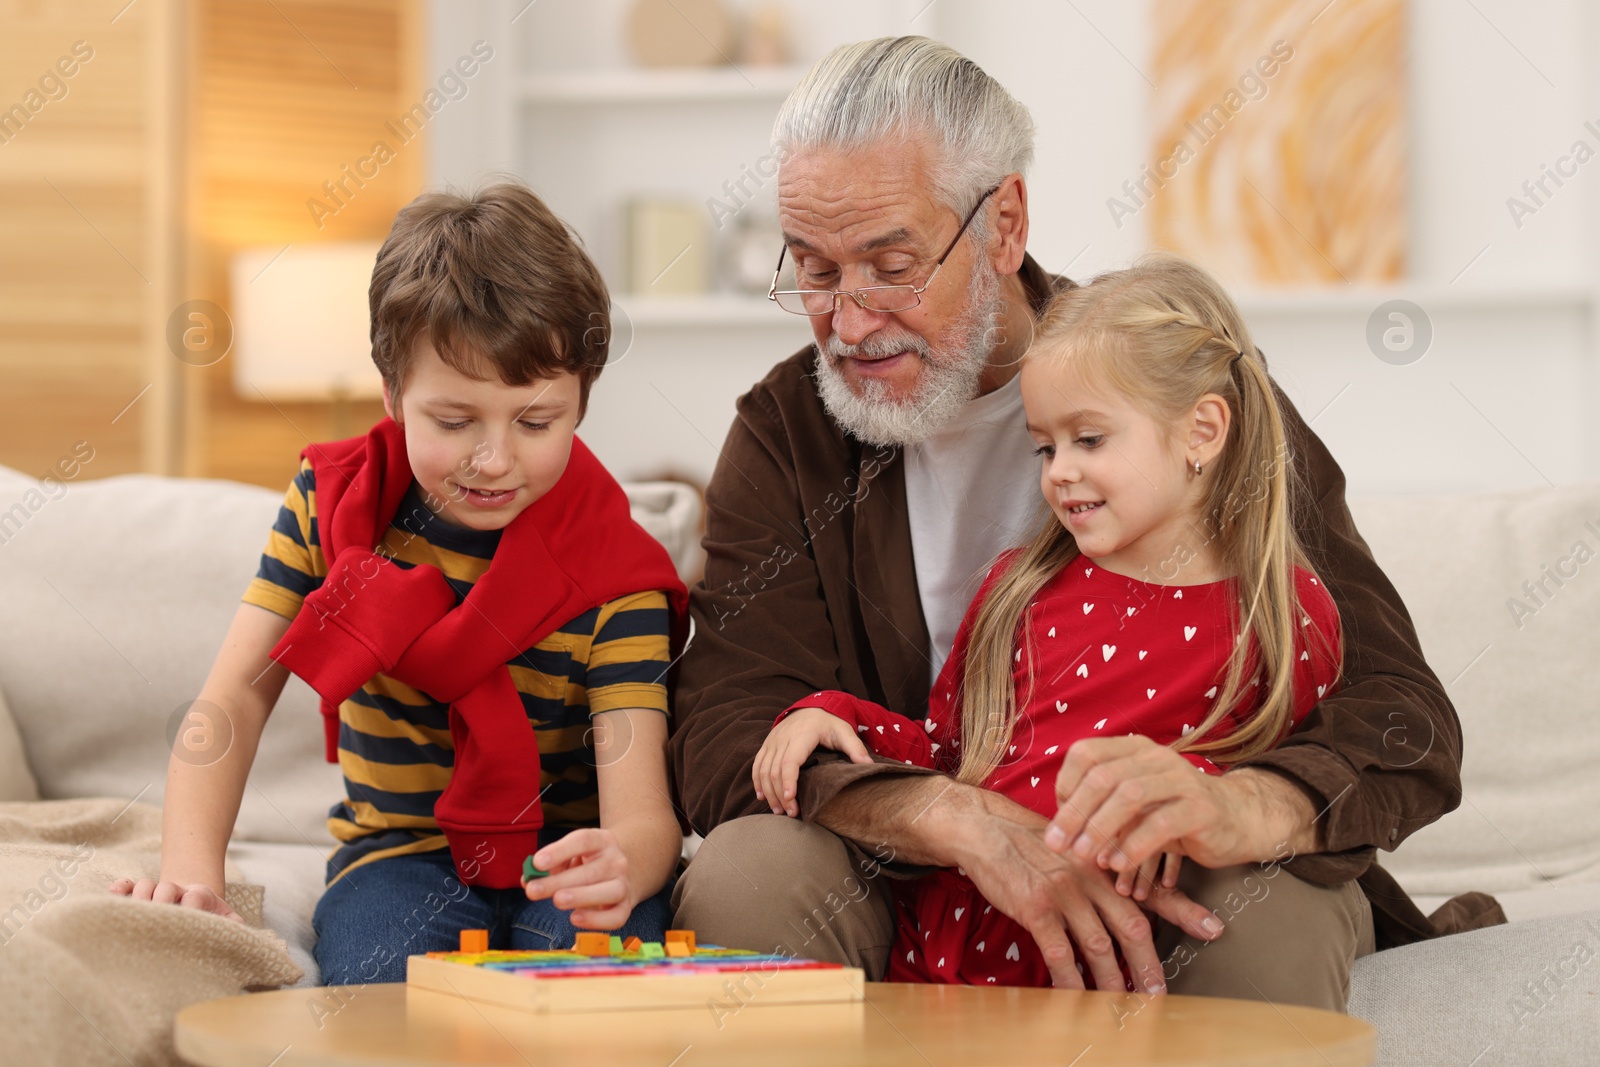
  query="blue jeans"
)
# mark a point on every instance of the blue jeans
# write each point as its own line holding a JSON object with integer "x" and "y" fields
{"x": 370, "y": 920}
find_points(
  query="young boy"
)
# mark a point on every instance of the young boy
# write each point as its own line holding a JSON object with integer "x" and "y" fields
{"x": 487, "y": 626}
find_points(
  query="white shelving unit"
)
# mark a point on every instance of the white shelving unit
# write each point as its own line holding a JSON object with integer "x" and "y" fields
{"x": 660, "y": 86}
{"x": 1460, "y": 297}
{"x": 590, "y": 131}
{"x": 1515, "y": 331}
{"x": 713, "y": 309}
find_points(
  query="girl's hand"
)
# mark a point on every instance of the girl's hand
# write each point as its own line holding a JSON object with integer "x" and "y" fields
{"x": 588, "y": 877}
{"x": 1160, "y": 870}
{"x": 199, "y": 896}
{"x": 776, "y": 769}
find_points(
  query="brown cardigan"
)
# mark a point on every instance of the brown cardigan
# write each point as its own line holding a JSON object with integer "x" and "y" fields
{"x": 810, "y": 585}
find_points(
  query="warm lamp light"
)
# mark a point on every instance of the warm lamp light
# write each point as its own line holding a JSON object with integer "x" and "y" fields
{"x": 301, "y": 327}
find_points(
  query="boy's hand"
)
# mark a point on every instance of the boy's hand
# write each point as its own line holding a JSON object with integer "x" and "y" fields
{"x": 588, "y": 877}
{"x": 198, "y": 896}
{"x": 776, "y": 769}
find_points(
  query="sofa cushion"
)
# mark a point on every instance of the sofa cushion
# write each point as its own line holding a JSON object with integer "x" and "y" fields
{"x": 1505, "y": 592}
{"x": 1542, "y": 901}
{"x": 1511, "y": 995}
{"x": 118, "y": 592}
{"x": 16, "y": 779}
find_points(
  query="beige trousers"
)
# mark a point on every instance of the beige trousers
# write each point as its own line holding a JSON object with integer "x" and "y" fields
{"x": 775, "y": 884}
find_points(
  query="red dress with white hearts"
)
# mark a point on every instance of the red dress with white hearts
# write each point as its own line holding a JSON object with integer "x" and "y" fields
{"x": 1111, "y": 655}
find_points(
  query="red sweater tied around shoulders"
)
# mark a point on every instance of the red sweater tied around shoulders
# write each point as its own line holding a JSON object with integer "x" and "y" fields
{"x": 571, "y": 550}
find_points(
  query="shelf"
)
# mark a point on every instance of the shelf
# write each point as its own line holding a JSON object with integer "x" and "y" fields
{"x": 734, "y": 309}
{"x": 643, "y": 86}
{"x": 712, "y": 309}
{"x": 1430, "y": 296}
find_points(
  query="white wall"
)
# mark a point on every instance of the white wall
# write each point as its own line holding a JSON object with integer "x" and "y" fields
{"x": 1501, "y": 400}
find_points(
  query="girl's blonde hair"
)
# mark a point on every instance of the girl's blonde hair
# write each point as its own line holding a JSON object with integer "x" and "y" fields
{"x": 1164, "y": 334}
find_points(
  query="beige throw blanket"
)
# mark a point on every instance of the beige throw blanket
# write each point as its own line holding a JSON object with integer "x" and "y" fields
{"x": 89, "y": 978}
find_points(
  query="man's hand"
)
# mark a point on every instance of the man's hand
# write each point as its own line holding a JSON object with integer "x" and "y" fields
{"x": 934, "y": 821}
{"x": 199, "y": 896}
{"x": 1053, "y": 896}
{"x": 1126, "y": 799}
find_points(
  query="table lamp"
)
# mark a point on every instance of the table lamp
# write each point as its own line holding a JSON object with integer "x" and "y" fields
{"x": 301, "y": 326}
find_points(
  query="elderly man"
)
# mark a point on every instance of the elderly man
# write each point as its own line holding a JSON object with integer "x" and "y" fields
{"x": 865, "y": 486}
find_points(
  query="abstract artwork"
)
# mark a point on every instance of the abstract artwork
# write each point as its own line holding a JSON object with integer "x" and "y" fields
{"x": 1278, "y": 154}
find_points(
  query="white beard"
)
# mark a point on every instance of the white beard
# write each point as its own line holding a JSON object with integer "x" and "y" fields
{"x": 944, "y": 386}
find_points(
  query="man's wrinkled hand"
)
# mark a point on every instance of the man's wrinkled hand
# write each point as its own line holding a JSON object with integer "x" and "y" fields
{"x": 1065, "y": 900}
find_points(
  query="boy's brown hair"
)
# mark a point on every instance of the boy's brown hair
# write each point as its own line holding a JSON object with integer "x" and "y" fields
{"x": 492, "y": 277}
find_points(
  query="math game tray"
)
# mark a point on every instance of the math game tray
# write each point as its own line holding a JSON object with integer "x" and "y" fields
{"x": 561, "y": 980}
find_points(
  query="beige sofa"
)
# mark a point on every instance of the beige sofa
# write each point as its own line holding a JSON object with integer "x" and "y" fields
{"x": 117, "y": 593}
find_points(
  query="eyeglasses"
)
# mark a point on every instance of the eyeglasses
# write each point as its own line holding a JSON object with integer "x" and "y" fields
{"x": 881, "y": 298}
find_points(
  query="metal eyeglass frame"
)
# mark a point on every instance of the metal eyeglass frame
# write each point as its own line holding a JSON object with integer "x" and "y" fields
{"x": 855, "y": 294}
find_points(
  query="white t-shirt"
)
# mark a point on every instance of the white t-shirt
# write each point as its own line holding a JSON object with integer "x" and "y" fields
{"x": 972, "y": 490}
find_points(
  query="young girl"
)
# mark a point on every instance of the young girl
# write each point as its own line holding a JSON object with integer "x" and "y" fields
{"x": 1164, "y": 467}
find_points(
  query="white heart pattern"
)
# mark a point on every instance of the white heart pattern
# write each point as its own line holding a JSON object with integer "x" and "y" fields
{"x": 1083, "y": 670}
{"x": 1148, "y": 693}
{"x": 1189, "y": 632}
{"x": 1061, "y": 705}
{"x": 1013, "y": 750}
{"x": 1178, "y": 595}
{"x": 1052, "y": 632}
{"x": 981, "y": 944}
{"x": 928, "y": 725}
{"x": 1088, "y": 571}
{"x": 1108, "y": 651}
{"x": 911, "y": 956}
{"x": 1088, "y": 607}
{"x": 1012, "y": 953}
{"x": 1143, "y": 653}
{"x": 1101, "y": 725}
{"x": 1130, "y": 611}
{"x": 1019, "y": 655}
{"x": 941, "y": 961}
{"x": 1187, "y": 729}
{"x": 1051, "y": 751}
{"x": 1304, "y": 656}
{"x": 896, "y": 727}
{"x": 959, "y": 911}
{"x": 1321, "y": 689}
{"x": 1211, "y": 692}
{"x": 880, "y": 729}
{"x": 1035, "y": 781}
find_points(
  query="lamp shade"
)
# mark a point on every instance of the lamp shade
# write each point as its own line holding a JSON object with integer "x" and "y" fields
{"x": 301, "y": 324}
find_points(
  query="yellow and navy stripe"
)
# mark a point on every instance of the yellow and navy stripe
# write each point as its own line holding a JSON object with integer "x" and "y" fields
{"x": 394, "y": 740}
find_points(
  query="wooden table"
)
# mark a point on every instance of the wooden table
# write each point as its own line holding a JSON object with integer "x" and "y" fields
{"x": 941, "y": 1026}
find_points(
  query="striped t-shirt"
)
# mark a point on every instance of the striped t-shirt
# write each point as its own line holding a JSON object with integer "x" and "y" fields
{"x": 394, "y": 740}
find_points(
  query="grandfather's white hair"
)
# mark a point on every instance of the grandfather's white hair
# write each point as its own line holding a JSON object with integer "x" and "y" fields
{"x": 862, "y": 94}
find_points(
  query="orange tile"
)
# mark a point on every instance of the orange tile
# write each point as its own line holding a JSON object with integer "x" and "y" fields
{"x": 593, "y": 944}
